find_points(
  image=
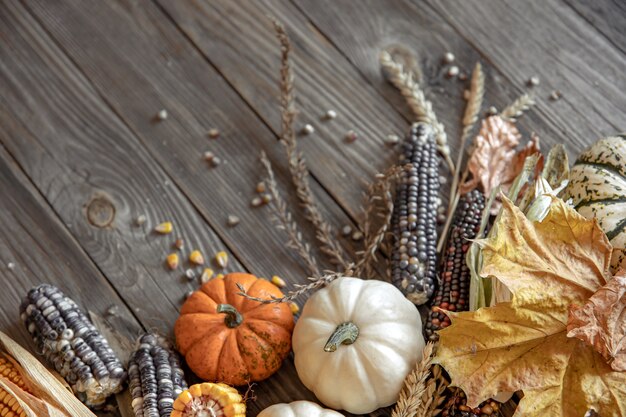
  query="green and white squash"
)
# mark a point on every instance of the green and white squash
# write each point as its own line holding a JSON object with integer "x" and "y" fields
{"x": 597, "y": 188}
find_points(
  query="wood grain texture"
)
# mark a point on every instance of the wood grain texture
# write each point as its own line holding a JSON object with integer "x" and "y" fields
{"x": 224, "y": 30}
{"x": 607, "y": 16}
{"x": 36, "y": 248}
{"x": 565, "y": 53}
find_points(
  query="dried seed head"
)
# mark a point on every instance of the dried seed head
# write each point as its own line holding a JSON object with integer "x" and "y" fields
{"x": 260, "y": 187}
{"x": 448, "y": 58}
{"x": 278, "y": 281}
{"x": 256, "y": 202}
{"x": 179, "y": 243}
{"x": 195, "y": 257}
{"x": 173, "y": 261}
{"x": 214, "y": 133}
{"x": 190, "y": 274}
{"x": 351, "y": 136}
{"x": 392, "y": 139}
{"x": 308, "y": 129}
{"x": 232, "y": 220}
{"x": 555, "y": 95}
{"x": 209, "y": 156}
{"x": 453, "y": 71}
{"x": 221, "y": 259}
{"x": 164, "y": 228}
{"x": 295, "y": 309}
{"x": 162, "y": 114}
{"x": 140, "y": 220}
{"x": 356, "y": 236}
{"x": 533, "y": 81}
{"x": 206, "y": 276}
{"x": 209, "y": 399}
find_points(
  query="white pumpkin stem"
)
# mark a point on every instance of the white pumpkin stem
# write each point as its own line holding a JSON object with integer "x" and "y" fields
{"x": 345, "y": 334}
{"x": 233, "y": 317}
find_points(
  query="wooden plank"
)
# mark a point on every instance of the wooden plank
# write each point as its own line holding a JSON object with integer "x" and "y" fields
{"x": 36, "y": 248}
{"x": 361, "y": 30}
{"x": 607, "y": 16}
{"x": 77, "y": 151}
{"x": 551, "y": 41}
{"x": 143, "y": 65}
{"x": 238, "y": 39}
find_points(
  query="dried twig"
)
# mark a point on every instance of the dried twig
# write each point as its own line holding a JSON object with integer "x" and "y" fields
{"x": 379, "y": 203}
{"x": 297, "y": 165}
{"x": 416, "y": 100}
{"x": 474, "y": 103}
{"x": 284, "y": 220}
{"x": 517, "y": 108}
{"x": 316, "y": 282}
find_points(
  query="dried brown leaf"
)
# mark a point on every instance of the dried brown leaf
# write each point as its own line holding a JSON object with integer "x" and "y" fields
{"x": 601, "y": 321}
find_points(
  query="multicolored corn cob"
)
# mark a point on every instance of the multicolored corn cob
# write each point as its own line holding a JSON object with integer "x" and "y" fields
{"x": 76, "y": 349}
{"x": 414, "y": 221}
{"x": 209, "y": 399}
{"x": 453, "y": 291}
{"x": 9, "y": 407}
{"x": 155, "y": 377}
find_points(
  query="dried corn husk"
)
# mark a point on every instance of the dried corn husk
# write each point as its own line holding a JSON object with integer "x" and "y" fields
{"x": 53, "y": 398}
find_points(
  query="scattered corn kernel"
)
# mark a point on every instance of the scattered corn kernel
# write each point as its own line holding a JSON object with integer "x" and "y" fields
{"x": 164, "y": 228}
{"x": 351, "y": 136}
{"x": 266, "y": 198}
{"x": 294, "y": 308}
{"x": 256, "y": 202}
{"x": 260, "y": 187}
{"x": 173, "y": 261}
{"x": 196, "y": 257}
{"x": 232, "y": 220}
{"x": 206, "y": 276}
{"x": 140, "y": 220}
{"x": 221, "y": 259}
{"x": 190, "y": 274}
{"x": 278, "y": 281}
{"x": 219, "y": 276}
{"x": 162, "y": 114}
{"x": 214, "y": 133}
{"x": 179, "y": 244}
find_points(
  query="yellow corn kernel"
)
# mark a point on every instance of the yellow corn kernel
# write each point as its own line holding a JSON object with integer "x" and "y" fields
{"x": 173, "y": 261}
{"x": 294, "y": 307}
{"x": 221, "y": 258}
{"x": 219, "y": 276}
{"x": 210, "y": 398}
{"x": 196, "y": 257}
{"x": 278, "y": 281}
{"x": 164, "y": 228}
{"x": 206, "y": 276}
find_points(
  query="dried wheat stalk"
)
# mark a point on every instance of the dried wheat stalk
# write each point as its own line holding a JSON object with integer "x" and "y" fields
{"x": 423, "y": 388}
{"x": 284, "y": 220}
{"x": 379, "y": 202}
{"x": 316, "y": 282}
{"x": 472, "y": 110}
{"x": 324, "y": 232}
{"x": 517, "y": 108}
{"x": 415, "y": 98}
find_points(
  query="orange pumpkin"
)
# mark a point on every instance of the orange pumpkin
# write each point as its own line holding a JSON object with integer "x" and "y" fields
{"x": 228, "y": 338}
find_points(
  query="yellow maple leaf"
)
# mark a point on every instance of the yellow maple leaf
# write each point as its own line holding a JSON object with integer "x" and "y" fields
{"x": 523, "y": 344}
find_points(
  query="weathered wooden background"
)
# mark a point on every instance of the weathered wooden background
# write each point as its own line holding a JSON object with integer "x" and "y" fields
{"x": 81, "y": 155}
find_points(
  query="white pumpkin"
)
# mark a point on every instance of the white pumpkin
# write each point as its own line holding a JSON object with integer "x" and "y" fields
{"x": 298, "y": 409}
{"x": 597, "y": 188}
{"x": 355, "y": 342}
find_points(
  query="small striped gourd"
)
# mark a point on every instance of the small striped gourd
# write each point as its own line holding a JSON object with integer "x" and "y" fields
{"x": 597, "y": 187}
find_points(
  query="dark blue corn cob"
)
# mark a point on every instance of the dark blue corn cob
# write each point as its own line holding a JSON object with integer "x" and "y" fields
{"x": 155, "y": 377}
{"x": 453, "y": 291}
{"x": 414, "y": 221}
{"x": 76, "y": 349}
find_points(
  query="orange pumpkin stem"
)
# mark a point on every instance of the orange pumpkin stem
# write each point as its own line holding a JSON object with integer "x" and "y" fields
{"x": 345, "y": 334}
{"x": 233, "y": 317}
